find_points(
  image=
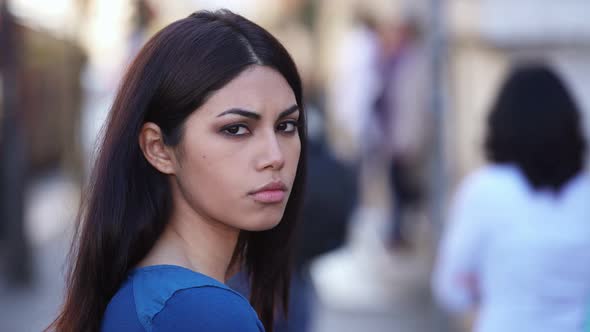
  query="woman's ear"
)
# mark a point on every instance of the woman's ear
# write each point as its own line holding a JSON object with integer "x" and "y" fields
{"x": 154, "y": 150}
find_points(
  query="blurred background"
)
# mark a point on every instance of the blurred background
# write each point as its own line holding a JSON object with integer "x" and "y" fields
{"x": 397, "y": 94}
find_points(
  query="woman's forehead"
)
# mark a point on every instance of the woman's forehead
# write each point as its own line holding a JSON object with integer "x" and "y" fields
{"x": 259, "y": 89}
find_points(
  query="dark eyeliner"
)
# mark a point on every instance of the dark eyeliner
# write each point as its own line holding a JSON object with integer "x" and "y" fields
{"x": 224, "y": 129}
{"x": 295, "y": 123}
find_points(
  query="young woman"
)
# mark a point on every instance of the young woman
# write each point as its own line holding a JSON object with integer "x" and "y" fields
{"x": 517, "y": 245}
{"x": 199, "y": 174}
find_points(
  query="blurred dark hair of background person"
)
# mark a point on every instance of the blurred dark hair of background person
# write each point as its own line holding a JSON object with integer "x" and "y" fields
{"x": 536, "y": 125}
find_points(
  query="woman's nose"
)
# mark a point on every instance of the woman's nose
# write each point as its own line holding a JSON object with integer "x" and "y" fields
{"x": 271, "y": 156}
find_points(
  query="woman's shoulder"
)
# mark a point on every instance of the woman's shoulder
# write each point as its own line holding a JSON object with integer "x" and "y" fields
{"x": 172, "y": 298}
{"x": 120, "y": 314}
{"x": 206, "y": 308}
{"x": 494, "y": 179}
{"x": 579, "y": 184}
{"x": 494, "y": 173}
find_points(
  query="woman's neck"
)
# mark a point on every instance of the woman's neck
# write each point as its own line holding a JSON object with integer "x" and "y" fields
{"x": 191, "y": 241}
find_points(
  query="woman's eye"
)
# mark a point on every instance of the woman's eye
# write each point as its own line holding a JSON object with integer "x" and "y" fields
{"x": 287, "y": 127}
{"x": 236, "y": 130}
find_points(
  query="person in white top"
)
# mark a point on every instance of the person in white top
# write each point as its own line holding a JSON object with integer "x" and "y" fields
{"x": 517, "y": 246}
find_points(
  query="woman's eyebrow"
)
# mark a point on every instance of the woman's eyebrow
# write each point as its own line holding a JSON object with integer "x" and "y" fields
{"x": 256, "y": 116}
{"x": 244, "y": 113}
{"x": 288, "y": 111}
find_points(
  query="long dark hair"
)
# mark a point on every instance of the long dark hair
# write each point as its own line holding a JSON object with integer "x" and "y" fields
{"x": 128, "y": 202}
{"x": 535, "y": 124}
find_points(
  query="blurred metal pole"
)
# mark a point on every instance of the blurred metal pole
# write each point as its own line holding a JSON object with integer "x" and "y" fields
{"x": 439, "y": 44}
{"x": 17, "y": 256}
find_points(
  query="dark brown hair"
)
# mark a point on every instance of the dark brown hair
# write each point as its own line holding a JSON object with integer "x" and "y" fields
{"x": 535, "y": 124}
{"x": 128, "y": 202}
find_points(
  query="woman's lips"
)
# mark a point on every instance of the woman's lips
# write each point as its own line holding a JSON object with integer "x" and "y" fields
{"x": 269, "y": 196}
{"x": 273, "y": 192}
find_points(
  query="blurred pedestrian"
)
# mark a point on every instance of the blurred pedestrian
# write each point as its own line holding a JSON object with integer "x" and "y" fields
{"x": 351, "y": 92}
{"x": 199, "y": 174}
{"x": 517, "y": 245}
{"x": 400, "y": 125}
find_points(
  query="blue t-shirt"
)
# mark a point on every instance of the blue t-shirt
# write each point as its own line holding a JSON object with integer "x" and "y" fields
{"x": 166, "y": 298}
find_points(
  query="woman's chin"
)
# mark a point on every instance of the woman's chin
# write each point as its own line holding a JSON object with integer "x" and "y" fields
{"x": 262, "y": 224}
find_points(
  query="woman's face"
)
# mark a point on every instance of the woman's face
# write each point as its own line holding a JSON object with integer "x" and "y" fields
{"x": 237, "y": 160}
